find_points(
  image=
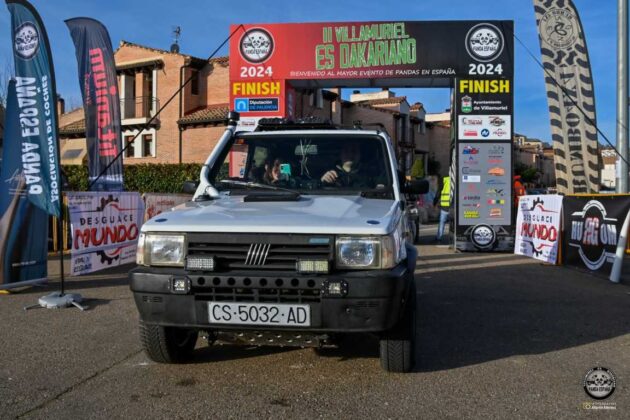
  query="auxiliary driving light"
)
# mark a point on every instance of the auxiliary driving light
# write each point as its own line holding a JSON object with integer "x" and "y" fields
{"x": 335, "y": 288}
{"x": 180, "y": 285}
{"x": 312, "y": 266}
{"x": 200, "y": 263}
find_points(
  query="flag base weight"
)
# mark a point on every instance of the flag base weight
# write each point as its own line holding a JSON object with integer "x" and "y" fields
{"x": 57, "y": 300}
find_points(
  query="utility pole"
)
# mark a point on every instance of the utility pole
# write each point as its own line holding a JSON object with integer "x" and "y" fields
{"x": 622, "y": 95}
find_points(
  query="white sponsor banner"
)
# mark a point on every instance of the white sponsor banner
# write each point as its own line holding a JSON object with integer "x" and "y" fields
{"x": 105, "y": 228}
{"x": 538, "y": 227}
{"x": 248, "y": 123}
{"x": 155, "y": 204}
{"x": 485, "y": 127}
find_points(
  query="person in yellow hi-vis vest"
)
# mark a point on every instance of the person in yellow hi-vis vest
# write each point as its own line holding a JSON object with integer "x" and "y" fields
{"x": 442, "y": 200}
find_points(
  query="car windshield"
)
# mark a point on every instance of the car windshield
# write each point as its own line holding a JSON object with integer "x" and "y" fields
{"x": 305, "y": 164}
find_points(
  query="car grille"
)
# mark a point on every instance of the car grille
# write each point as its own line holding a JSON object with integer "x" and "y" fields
{"x": 260, "y": 252}
{"x": 256, "y": 289}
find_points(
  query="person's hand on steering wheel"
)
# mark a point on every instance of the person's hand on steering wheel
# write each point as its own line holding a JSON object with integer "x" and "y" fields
{"x": 330, "y": 177}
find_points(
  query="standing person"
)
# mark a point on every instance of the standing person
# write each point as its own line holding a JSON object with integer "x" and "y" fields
{"x": 519, "y": 190}
{"x": 443, "y": 202}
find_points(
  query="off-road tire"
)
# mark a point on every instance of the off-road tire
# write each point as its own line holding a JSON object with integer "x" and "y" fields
{"x": 416, "y": 232}
{"x": 167, "y": 344}
{"x": 397, "y": 346}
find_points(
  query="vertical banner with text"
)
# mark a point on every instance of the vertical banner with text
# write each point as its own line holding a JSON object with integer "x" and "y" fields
{"x": 105, "y": 229}
{"x": 36, "y": 95}
{"x": 570, "y": 96}
{"x": 23, "y": 247}
{"x": 101, "y": 104}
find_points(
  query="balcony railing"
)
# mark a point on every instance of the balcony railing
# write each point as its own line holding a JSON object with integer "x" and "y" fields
{"x": 139, "y": 107}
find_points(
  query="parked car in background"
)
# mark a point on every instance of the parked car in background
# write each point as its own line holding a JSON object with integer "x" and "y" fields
{"x": 536, "y": 191}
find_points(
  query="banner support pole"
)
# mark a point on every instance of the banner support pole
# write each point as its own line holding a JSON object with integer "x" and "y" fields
{"x": 60, "y": 241}
{"x": 615, "y": 273}
{"x": 622, "y": 95}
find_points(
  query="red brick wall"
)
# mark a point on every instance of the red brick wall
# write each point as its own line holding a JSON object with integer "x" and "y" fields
{"x": 367, "y": 115}
{"x": 216, "y": 81}
{"x": 439, "y": 142}
{"x": 198, "y": 143}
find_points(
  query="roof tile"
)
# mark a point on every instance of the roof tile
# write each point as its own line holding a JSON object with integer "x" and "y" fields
{"x": 385, "y": 101}
{"x": 212, "y": 113}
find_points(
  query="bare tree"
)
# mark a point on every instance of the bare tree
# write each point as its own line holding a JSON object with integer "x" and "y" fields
{"x": 6, "y": 73}
{"x": 73, "y": 102}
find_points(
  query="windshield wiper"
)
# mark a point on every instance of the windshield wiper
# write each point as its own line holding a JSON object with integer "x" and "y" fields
{"x": 256, "y": 185}
{"x": 378, "y": 193}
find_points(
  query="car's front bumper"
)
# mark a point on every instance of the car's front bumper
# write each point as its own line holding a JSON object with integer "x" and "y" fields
{"x": 373, "y": 303}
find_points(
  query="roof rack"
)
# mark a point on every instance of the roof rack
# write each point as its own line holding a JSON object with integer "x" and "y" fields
{"x": 310, "y": 123}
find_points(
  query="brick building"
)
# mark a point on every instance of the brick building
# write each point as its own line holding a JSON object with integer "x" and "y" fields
{"x": 184, "y": 131}
{"x": 188, "y": 128}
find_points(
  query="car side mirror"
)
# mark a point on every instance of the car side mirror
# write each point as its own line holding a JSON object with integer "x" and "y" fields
{"x": 416, "y": 186}
{"x": 190, "y": 187}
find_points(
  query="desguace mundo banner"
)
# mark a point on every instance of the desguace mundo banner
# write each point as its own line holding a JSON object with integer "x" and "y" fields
{"x": 538, "y": 227}
{"x": 105, "y": 229}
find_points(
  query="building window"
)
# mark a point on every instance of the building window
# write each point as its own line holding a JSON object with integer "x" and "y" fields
{"x": 131, "y": 150}
{"x": 194, "y": 83}
{"x": 147, "y": 145}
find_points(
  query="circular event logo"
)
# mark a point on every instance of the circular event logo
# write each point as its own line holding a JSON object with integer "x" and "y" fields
{"x": 26, "y": 41}
{"x": 256, "y": 45}
{"x": 559, "y": 28}
{"x": 482, "y": 236}
{"x": 484, "y": 42}
{"x": 599, "y": 383}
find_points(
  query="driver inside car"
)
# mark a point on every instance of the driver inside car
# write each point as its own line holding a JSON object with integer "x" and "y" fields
{"x": 349, "y": 172}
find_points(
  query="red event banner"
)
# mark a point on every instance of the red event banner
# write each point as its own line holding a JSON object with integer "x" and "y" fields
{"x": 268, "y": 60}
{"x": 369, "y": 50}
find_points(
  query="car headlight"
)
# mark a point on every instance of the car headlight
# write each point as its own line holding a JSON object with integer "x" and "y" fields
{"x": 161, "y": 249}
{"x": 371, "y": 252}
{"x": 358, "y": 252}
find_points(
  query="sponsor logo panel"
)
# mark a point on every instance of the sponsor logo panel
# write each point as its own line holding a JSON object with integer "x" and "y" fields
{"x": 484, "y": 127}
{"x": 485, "y": 186}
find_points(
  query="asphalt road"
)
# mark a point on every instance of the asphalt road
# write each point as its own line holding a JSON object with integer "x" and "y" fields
{"x": 499, "y": 336}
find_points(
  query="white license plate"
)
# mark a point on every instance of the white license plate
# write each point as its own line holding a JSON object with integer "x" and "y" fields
{"x": 259, "y": 314}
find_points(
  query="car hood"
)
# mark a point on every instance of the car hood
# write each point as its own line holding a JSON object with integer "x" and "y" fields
{"x": 310, "y": 214}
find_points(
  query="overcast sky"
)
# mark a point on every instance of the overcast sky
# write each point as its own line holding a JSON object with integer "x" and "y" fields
{"x": 205, "y": 25}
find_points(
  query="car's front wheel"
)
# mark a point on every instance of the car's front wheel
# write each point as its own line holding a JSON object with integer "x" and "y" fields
{"x": 397, "y": 346}
{"x": 167, "y": 344}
